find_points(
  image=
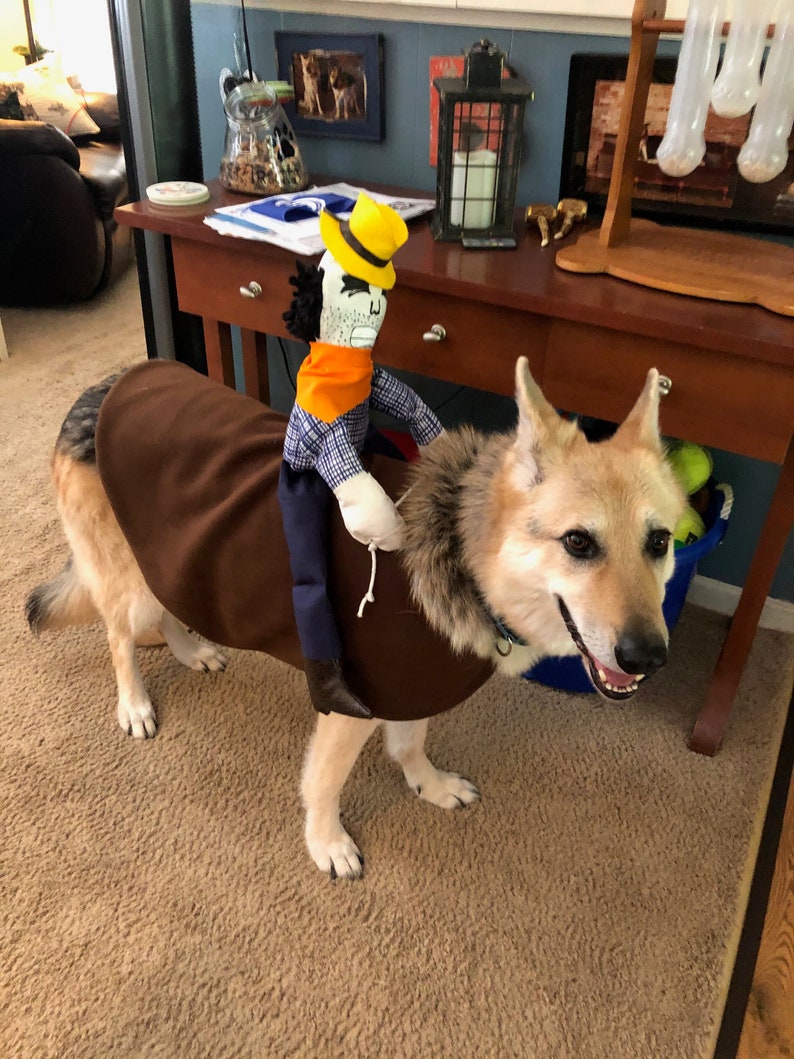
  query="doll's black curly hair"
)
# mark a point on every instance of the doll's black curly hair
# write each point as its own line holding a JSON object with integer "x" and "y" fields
{"x": 303, "y": 316}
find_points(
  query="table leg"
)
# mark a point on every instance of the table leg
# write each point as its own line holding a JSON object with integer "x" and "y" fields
{"x": 218, "y": 344}
{"x": 255, "y": 370}
{"x": 712, "y": 721}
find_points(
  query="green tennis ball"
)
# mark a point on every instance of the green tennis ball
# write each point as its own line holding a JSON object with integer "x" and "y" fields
{"x": 690, "y": 528}
{"x": 692, "y": 465}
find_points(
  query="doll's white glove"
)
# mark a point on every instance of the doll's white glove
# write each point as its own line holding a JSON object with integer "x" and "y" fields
{"x": 368, "y": 513}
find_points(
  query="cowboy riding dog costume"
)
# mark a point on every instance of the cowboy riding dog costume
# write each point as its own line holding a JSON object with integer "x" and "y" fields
{"x": 339, "y": 309}
{"x": 191, "y": 469}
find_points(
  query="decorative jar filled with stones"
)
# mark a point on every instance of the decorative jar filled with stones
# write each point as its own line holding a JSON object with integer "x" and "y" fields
{"x": 261, "y": 155}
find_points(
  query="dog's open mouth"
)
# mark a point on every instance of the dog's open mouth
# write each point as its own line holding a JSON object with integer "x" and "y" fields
{"x": 613, "y": 683}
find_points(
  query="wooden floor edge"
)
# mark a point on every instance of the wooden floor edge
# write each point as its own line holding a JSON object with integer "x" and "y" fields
{"x": 749, "y": 956}
{"x": 768, "y": 1029}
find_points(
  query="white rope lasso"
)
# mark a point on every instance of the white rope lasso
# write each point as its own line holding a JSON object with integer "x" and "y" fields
{"x": 369, "y": 596}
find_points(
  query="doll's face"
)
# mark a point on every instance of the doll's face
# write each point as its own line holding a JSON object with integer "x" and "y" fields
{"x": 352, "y": 311}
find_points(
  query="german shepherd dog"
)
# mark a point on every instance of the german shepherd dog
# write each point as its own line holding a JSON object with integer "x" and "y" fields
{"x": 520, "y": 545}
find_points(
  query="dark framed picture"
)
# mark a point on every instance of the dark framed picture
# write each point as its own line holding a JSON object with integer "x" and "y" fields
{"x": 714, "y": 194}
{"x": 338, "y": 82}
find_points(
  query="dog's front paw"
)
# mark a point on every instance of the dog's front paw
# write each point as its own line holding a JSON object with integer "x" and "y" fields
{"x": 448, "y": 790}
{"x": 337, "y": 855}
{"x": 207, "y": 658}
{"x": 138, "y": 719}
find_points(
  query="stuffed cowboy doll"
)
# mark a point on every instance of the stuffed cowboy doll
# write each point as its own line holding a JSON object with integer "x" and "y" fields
{"x": 339, "y": 308}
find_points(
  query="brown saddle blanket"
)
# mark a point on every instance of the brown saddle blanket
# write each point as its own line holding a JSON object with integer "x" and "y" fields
{"x": 191, "y": 468}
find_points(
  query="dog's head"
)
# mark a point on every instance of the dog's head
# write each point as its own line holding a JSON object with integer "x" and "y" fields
{"x": 586, "y": 538}
{"x": 310, "y": 65}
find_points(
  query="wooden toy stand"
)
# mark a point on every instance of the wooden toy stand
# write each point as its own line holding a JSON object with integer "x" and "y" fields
{"x": 702, "y": 264}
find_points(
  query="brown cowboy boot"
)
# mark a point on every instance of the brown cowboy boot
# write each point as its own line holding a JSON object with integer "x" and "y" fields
{"x": 329, "y": 692}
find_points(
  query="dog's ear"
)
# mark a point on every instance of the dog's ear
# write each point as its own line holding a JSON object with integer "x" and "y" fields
{"x": 537, "y": 421}
{"x": 534, "y": 410}
{"x": 641, "y": 425}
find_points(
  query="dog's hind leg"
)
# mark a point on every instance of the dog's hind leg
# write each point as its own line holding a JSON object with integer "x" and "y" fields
{"x": 405, "y": 742}
{"x": 135, "y": 711}
{"x": 188, "y": 648}
{"x": 335, "y": 745}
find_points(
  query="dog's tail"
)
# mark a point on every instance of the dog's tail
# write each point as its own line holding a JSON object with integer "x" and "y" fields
{"x": 59, "y": 603}
{"x": 66, "y": 600}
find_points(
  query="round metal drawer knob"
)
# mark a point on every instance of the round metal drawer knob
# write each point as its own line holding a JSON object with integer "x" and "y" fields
{"x": 253, "y": 290}
{"x": 437, "y": 333}
{"x": 665, "y": 385}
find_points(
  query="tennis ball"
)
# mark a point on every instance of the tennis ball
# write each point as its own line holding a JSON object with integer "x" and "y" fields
{"x": 692, "y": 465}
{"x": 690, "y": 528}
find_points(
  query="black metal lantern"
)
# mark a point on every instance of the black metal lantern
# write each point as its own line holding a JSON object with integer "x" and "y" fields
{"x": 480, "y": 131}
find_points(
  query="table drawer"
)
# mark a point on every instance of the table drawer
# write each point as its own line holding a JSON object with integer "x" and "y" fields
{"x": 480, "y": 346}
{"x": 744, "y": 406}
{"x": 209, "y": 278}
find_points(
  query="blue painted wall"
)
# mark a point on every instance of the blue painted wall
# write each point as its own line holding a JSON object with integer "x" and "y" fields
{"x": 402, "y": 158}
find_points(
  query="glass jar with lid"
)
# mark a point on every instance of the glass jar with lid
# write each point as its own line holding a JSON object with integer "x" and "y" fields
{"x": 261, "y": 155}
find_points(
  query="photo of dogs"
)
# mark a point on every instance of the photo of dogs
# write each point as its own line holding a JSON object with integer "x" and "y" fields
{"x": 345, "y": 86}
{"x": 518, "y": 545}
{"x": 309, "y": 101}
{"x": 329, "y": 85}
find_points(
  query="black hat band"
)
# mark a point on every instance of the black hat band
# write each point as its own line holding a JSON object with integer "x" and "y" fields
{"x": 359, "y": 248}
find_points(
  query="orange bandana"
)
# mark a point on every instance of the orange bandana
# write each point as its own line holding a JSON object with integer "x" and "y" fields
{"x": 333, "y": 379}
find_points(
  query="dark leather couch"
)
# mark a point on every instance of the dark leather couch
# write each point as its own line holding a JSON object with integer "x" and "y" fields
{"x": 58, "y": 239}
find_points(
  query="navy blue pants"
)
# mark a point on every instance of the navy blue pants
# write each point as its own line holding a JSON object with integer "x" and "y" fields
{"x": 304, "y": 498}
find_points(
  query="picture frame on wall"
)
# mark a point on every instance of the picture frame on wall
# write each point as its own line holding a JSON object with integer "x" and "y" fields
{"x": 714, "y": 194}
{"x": 338, "y": 83}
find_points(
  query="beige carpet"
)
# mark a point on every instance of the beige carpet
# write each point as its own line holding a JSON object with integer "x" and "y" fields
{"x": 156, "y": 898}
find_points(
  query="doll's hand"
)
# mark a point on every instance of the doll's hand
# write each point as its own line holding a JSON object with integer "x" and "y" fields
{"x": 368, "y": 513}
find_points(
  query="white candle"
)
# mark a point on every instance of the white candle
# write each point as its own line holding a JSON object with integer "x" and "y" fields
{"x": 736, "y": 89}
{"x": 473, "y": 185}
{"x": 683, "y": 146}
{"x": 765, "y": 152}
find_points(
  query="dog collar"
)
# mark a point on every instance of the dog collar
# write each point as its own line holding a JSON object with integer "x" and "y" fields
{"x": 502, "y": 628}
{"x": 506, "y": 634}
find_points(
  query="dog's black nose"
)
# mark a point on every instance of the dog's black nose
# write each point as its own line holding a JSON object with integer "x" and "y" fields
{"x": 639, "y": 652}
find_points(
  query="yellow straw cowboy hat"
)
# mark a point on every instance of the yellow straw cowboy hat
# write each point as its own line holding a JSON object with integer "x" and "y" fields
{"x": 364, "y": 244}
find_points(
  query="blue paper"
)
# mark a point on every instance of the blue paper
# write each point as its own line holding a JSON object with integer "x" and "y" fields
{"x": 299, "y": 207}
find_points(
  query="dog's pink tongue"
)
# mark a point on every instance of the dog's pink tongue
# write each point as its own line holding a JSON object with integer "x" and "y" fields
{"x": 616, "y": 677}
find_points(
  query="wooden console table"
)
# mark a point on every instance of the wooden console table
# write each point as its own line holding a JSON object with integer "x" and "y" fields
{"x": 590, "y": 341}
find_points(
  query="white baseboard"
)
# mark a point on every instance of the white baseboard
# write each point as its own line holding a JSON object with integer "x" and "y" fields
{"x": 723, "y": 598}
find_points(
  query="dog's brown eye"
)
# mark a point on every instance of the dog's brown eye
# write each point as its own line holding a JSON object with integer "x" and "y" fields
{"x": 580, "y": 544}
{"x": 658, "y": 543}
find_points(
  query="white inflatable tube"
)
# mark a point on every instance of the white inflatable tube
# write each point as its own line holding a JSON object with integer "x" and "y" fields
{"x": 736, "y": 90}
{"x": 684, "y": 144}
{"x": 765, "y": 152}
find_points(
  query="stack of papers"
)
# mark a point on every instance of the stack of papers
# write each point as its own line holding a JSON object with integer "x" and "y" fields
{"x": 261, "y": 219}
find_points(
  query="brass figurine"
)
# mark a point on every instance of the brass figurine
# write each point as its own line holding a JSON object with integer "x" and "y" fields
{"x": 541, "y": 214}
{"x": 544, "y": 215}
{"x": 572, "y": 210}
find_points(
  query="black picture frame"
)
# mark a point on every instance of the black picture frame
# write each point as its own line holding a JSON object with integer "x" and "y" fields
{"x": 715, "y": 194}
{"x": 353, "y": 107}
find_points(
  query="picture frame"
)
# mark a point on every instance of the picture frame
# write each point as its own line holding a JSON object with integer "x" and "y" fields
{"x": 714, "y": 194}
{"x": 338, "y": 83}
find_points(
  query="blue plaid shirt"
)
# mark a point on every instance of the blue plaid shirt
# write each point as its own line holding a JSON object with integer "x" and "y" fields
{"x": 332, "y": 449}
